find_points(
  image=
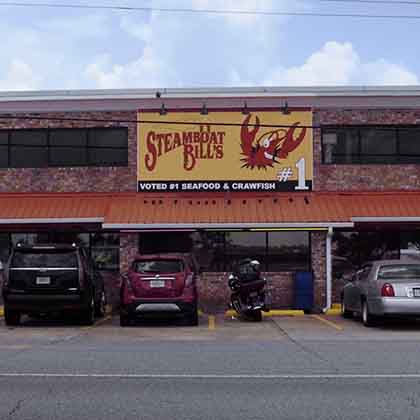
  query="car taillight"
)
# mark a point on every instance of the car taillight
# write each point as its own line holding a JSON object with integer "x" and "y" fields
{"x": 189, "y": 280}
{"x": 387, "y": 290}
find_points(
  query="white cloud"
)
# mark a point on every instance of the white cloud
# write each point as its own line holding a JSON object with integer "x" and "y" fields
{"x": 147, "y": 71}
{"x": 339, "y": 64}
{"x": 198, "y": 49}
{"x": 19, "y": 76}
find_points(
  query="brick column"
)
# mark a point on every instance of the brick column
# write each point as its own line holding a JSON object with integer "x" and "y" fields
{"x": 129, "y": 245}
{"x": 319, "y": 268}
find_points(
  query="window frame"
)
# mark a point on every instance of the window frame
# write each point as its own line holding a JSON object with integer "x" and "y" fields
{"x": 86, "y": 148}
{"x": 359, "y": 157}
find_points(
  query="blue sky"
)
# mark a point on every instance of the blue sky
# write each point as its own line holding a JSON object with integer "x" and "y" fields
{"x": 78, "y": 49}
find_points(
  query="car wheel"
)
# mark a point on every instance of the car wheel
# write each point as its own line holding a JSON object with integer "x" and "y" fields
{"x": 100, "y": 308}
{"x": 367, "y": 318}
{"x": 193, "y": 318}
{"x": 88, "y": 315}
{"x": 11, "y": 318}
{"x": 345, "y": 313}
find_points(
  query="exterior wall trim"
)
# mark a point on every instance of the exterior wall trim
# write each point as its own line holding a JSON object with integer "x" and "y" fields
{"x": 309, "y": 225}
{"x": 52, "y": 220}
{"x": 386, "y": 219}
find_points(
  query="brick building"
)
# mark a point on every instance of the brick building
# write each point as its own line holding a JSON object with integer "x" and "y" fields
{"x": 304, "y": 179}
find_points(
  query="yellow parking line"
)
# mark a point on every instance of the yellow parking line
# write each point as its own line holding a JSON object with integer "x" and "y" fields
{"x": 212, "y": 322}
{"x": 330, "y": 323}
{"x": 99, "y": 322}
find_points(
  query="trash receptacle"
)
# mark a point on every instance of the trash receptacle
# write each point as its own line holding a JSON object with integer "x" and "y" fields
{"x": 304, "y": 291}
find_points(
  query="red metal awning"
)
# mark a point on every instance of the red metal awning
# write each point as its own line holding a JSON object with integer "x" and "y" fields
{"x": 148, "y": 211}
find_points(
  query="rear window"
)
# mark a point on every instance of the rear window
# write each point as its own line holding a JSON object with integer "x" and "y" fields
{"x": 158, "y": 266}
{"x": 43, "y": 259}
{"x": 399, "y": 272}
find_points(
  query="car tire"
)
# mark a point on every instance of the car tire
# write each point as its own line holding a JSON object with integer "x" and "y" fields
{"x": 88, "y": 315}
{"x": 100, "y": 307}
{"x": 368, "y": 319}
{"x": 193, "y": 318}
{"x": 11, "y": 318}
{"x": 344, "y": 312}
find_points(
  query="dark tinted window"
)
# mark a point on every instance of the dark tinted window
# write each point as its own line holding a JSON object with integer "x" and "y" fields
{"x": 161, "y": 242}
{"x": 4, "y": 156}
{"x": 288, "y": 251}
{"x": 399, "y": 272}
{"x": 158, "y": 266}
{"x": 43, "y": 259}
{"x": 371, "y": 145}
{"x": 64, "y": 137}
{"x": 28, "y": 137}
{"x": 107, "y": 157}
{"x": 378, "y": 146}
{"x": 28, "y": 157}
{"x": 64, "y": 147}
{"x": 105, "y": 250}
{"x": 4, "y": 137}
{"x": 68, "y": 156}
{"x": 4, "y": 247}
{"x": 108, "y": 137}
{"x": 240, "y": 245}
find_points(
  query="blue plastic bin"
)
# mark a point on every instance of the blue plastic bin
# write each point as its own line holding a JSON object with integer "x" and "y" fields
{"x": 304, "y": 290}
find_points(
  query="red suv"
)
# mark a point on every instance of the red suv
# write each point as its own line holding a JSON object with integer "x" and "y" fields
{"x": 160, "y": 284}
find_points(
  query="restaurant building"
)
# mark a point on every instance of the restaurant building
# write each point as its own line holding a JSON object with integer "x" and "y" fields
{"x": 319, "y": 180}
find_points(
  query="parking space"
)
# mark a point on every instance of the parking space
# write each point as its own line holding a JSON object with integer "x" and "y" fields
{"x": 221, "y": 326}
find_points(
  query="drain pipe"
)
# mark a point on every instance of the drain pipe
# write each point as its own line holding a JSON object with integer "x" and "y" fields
{"x": 329, "y": 269}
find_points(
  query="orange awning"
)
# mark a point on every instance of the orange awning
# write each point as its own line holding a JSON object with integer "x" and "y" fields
{"x": 122, "y": 211}
{"x": 16, "y": 209}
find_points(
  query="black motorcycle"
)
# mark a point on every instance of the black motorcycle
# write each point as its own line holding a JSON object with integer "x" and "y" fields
{"x": 250, "y": 292}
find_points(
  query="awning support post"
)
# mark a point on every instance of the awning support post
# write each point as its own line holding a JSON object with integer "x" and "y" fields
{"x": 329, "y": 270}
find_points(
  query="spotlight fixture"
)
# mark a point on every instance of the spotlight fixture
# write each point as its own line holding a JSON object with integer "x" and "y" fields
{"x": 163, "y": 110}
{"x": 245, "y": 109}
{"x": 204, "y": 110}
{"x": 285, "y": 109}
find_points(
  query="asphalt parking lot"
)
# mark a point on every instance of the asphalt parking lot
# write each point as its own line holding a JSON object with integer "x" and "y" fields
{"x": 221, "y": 326}
{"x": 302, "y": 366}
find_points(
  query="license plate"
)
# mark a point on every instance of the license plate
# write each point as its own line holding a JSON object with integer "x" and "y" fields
{"x": 157, "y": 283}
{"x": 416, "y": 293}
{"x": 43, "y": 280}
{"x": 253, "y": 294}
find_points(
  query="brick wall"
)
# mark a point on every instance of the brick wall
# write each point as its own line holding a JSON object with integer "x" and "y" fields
{"x": 76, "y": 179}
{"x": 318, "y": 253}
{"x": 214, "y": 292}
{"x": 363, "y": 177}
{"x": 129, "y": 245}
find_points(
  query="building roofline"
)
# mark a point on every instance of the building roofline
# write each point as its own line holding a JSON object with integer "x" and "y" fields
{"x": 222, "y": 92}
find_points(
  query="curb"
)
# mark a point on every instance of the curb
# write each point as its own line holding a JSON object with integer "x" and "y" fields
{"x": 274, "y": 312}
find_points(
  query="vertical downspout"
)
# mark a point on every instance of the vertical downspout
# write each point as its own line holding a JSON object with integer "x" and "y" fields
{"x": 329, "y": 269}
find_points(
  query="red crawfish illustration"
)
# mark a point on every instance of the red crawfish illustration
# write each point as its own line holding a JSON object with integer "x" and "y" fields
{"x": 264, "y": 151}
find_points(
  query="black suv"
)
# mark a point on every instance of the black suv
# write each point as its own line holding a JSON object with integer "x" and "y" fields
{"x": 43, "y": 279}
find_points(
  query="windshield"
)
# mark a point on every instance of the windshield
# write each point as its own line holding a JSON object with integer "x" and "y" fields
{"x": 43, "y": 259}
{"x": 158, "y": 266}
{"x": 399, "y": 271}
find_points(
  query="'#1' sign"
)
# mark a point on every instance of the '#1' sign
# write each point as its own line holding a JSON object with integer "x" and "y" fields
{"x": 225, "y": 151}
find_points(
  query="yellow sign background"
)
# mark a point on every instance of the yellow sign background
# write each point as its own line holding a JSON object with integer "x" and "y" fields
{"x": 169, "y": 166}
